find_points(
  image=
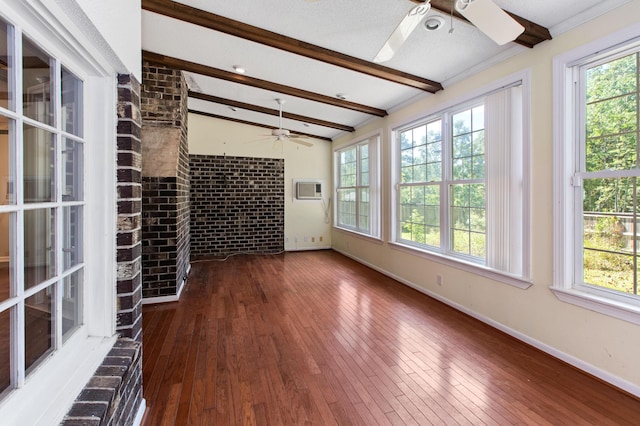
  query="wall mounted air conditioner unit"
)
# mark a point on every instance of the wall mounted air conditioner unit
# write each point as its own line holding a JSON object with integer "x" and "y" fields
{"x": 309, "y": 190}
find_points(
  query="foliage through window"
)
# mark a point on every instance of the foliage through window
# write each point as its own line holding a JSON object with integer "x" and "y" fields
{"x": 608, "y": 171}
{"x": 448, "y": 200}
{"x": 356, "y": 188}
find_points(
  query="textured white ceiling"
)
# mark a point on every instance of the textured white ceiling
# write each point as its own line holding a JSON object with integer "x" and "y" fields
{"x": 357, "y": 28}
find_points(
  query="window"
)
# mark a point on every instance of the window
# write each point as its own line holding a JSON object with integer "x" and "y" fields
{"x": 41, "y": 216}
{"x": 462, "y": 184}
{"x": 57, "y": 220}
{"x": 597, "y": 148}
{"x": 357, "y": 188}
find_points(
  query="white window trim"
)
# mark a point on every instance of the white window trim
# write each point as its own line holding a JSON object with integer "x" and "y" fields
{"x": 564, "y": 134}
{"x": 375, "y": 192}
{"x": 51, "y": 388}
{"x": 458, "y": 262}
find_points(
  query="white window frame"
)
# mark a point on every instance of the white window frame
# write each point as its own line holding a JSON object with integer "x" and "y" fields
{"x": 48, "y": 392}
{"x": 566, "y": 137}
{"x": 373, "y": 142}
{"x": 444, "y": 256}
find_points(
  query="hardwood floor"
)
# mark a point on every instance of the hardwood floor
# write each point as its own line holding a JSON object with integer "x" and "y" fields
{"x": 315, "y": 338}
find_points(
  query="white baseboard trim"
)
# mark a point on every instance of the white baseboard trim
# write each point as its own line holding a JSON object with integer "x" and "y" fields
{"x": 140, "y": 414}
{"x": 603, "y": 375}
{"x": 308, "y": 248}
{"x": 167, "y": 299}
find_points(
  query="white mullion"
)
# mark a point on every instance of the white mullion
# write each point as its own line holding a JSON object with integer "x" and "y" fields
{"x": 18, "y": 320}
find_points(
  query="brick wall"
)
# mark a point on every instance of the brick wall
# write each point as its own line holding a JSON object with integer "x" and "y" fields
{"x": 165, "y": 182}
{"x": 129, "y": 187}
{"x": 237, "y": 205}
{"x": 114, "y": 393}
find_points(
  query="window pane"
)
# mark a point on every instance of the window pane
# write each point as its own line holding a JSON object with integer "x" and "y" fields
{"x": 420, "y": 214}
{"x": 468, "y": 144}
{"x": 610, "y": 234}
{"x": 477, "y": 118}
{"x": 364, "y": 165}
{"x": 420, "y": 135}
{"x": 38, "y": 325}
{"x": 616, "y": 152}
{"x": 461, "y": 123}
{"x": 347, "y": 207}
{"x": 406, "y": 139}
{"x": 6, "y": 268}
{"x": 612, "y": 79}
{"x": 36, "y": 83}
{"x": 612, "y": 116}
{"x": 462, "y": 168}
{"x": 434, "y": 131}
{"x": 7, "y": 159}
{"x": 72, "y": 170}
{"x": 363, "y": 222}
{"x": 348, "y": 163}
{"x": 6, "y": 64}
{"x": 39, "y": 242}
{"x": 406, "y": 174}
{"x": 71, "y": 299}
{"x": 5, "y": 349}
{"x": 468, "y": 219}
{"x": 462, "y": 146}
{"x": 39, "y": 165}
{"x": 71, "y": 103}
{"x": 434, "y": 153}
{"x": 72, "y": 236}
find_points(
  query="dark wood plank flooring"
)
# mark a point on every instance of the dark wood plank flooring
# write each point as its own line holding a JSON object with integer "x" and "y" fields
{"x": 315, "y": 338}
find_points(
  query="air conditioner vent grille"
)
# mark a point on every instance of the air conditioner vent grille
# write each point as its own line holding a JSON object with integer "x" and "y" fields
{"x": 308, "y": 190}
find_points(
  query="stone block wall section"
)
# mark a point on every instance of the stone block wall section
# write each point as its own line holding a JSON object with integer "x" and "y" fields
{"x": 113, "y": 396}
{"x": 165, "y": 182}
{"x": 237, "y": 205}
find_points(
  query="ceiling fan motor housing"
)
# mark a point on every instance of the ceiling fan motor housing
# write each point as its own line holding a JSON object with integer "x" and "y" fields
{"x": 280, "y": 132}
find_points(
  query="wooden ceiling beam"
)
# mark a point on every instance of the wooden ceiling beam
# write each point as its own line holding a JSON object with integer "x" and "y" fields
{"x": 250, "y": 123}
{"x": 532, "y": 35}
{"x": 270, "y": 111}
{"x": 239, "y": 29}
{"x": 196, "y": 68}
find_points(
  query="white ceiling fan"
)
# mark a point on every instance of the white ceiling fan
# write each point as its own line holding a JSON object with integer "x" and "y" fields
{"x": 283, "y": 134}
{"x": 484, "y": 14}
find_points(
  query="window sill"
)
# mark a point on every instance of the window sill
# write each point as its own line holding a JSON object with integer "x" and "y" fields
{"x": 57, "y": 382}
{"x": 603, "y": 305}
{"x": 493, "y": 274}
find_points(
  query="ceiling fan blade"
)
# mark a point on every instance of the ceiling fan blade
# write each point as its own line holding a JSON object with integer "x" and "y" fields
{"x": 489, "y": 18}
{"x": 402, "y": 32}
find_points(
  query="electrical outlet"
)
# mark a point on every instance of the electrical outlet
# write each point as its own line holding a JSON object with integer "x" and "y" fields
{"x": 313, "y": 239}
{"x": 439, "y": 279}
{"x": 286, "y": 239}
{"x": 320, "y": 238}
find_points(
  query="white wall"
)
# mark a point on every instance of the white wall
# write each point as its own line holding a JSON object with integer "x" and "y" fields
{"x": 306, "y": 225}
{"x": 119, "y": 23}
{"x": 607, "y": 347}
